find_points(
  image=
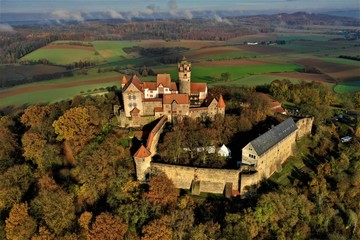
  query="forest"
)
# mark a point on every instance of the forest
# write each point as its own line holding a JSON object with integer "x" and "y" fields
{"x": 65, "y": 173}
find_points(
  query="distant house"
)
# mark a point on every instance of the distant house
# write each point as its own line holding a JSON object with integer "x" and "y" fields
{"x": 346, "y": 139}
{"x": 224, "y": 151}
{"x": 276, "y": 107}
{"x": 221, "y": 151}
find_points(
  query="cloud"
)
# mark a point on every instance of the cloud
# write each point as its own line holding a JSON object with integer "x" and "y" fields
{"x": 151, "y": 9}
{"x": 4, "y": 27}
{"x": 222, "y": 20}
{"x": 172, "y": 5}
{"x": 115, "y": 14}
{"x": 175, "y": 11}
{"x": 67, "y": 15}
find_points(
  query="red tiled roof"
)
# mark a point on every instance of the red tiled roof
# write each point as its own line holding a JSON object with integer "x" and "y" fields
{"x": 198, "y": 87}
{"x": 221, "y": 103}
{"x": 158, "y": 109}
{"x": 173, "y": 87}
{"x": 155, "y": 130}
{"x": 198, "y": 109}
{"x": 150, "y": 85}
{"x": 123, "y": 80}
{"x": 275, "y": 104}
{"x": 152, "y": 100}
{"x": 142, "y": 152}
{"x": 135, "y": 110}
{"x": 134, "y": 80}
{"x": 163, "y": 79}
{"x": 178, "y": 98}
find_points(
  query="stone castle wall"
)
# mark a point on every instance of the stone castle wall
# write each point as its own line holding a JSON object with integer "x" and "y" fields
{"x": 211, "y": 180}
{"x": 304, "y": 127}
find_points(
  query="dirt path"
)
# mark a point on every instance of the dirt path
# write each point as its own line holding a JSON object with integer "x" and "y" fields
{"x": 21, "y": 90}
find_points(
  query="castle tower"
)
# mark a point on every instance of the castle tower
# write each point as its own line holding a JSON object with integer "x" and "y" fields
{"x": 142, "y": 162}
{"x": 184, "y": 68}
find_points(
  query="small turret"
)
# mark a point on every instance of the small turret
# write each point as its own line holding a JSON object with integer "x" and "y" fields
{"x": 123, "y": 81}
{"x": 184, "y": 68}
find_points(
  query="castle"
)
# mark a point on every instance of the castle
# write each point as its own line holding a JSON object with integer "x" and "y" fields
{"x": 144, "y": 102}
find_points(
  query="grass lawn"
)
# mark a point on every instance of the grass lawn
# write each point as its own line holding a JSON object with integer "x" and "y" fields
{"x": 347, "y": 87}
{"x": 63, "y": 56}
{"x": 112, "y": 50}
{"x": 292, "y": 163}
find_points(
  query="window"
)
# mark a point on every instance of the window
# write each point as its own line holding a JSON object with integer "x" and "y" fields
{"x": 134, "y": 97}
{"x": 252, "y": 156}
{"x": 129, "y": 97}
{"x": 132, "y": 105}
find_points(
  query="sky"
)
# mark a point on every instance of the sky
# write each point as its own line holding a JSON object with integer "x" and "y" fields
{"x": 127, "y": 9}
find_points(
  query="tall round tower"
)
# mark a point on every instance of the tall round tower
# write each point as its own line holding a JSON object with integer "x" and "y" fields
{"x": 184, "y": 68}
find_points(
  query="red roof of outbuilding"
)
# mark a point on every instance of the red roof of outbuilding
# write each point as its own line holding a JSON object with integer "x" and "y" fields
{"x": 142, "y": 152}
{"x": 178, "y": 98}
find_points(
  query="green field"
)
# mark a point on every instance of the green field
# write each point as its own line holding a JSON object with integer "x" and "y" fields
{"x": 306, "y": 37}
{"x": 205, "y": 74}
{"x": 231, "y": 55}
{"x": 342, "y": 61}
{"x": 112, "y": 50}
{"x": 63, "y": 56}
{"x": 58, "y": 91}
{"x": 252, "y": 81}
{"x": 348, "y": 87}
{"x": 54, "y": 95}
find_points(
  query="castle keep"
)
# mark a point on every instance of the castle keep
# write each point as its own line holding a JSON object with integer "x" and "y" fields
{"x": 144, "y": 102}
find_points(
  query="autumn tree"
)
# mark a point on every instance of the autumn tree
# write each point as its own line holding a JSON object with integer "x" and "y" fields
{"x": 8, "y": 148}
{"x": 78, "y": 125}
{"x": 14, "y": 183}
{"x": 100, "y": 171}
{"x": 40, "y": 152}
{"x": 107, "y": 226}
{"x": 158, "y": 229}
{"x": 162, "y": 191}
{"x": 19, "y": 225}
{"x": 54, "y": 205}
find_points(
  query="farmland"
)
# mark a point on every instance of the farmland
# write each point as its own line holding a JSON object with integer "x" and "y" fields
{"x": 245, "y": 64}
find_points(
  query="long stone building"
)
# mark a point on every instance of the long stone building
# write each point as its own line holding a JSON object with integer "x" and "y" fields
{"x": 260, "y": 159}
{"x": 144, "y": 102}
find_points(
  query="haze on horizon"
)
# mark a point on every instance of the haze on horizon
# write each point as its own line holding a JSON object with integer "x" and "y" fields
{"x": 79, "y": 10}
